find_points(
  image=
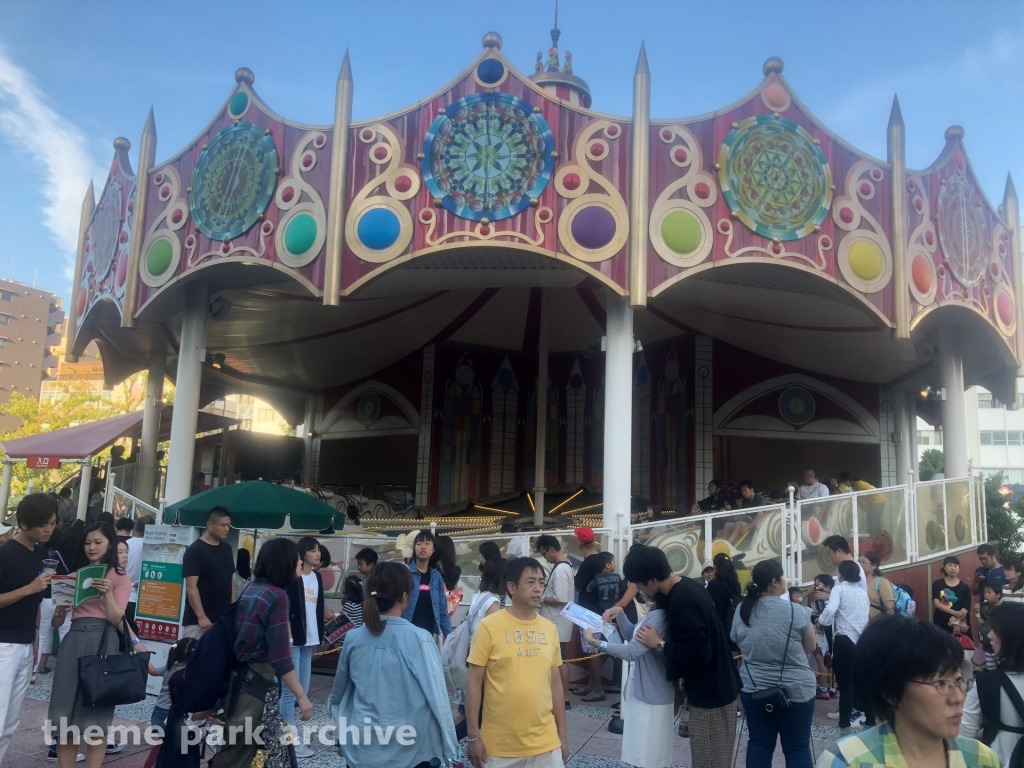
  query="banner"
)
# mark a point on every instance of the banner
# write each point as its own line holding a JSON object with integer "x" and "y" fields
{"x": 161, "y": 586}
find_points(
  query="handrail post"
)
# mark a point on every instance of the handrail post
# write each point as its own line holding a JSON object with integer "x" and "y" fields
{"x": 856, "y": 531}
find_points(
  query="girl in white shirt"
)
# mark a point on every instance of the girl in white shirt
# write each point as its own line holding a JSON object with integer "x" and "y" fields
{"x": 847, "y": 613}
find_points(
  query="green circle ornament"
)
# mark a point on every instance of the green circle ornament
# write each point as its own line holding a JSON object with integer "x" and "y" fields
{"x": 158, "y": 258}
{"x": 301, "y": 234}
{"x": 775, "y": 177}
{"x": 682, "y": 232}
{"x": 238, "y": 104}
{"x": 233, "y": 181}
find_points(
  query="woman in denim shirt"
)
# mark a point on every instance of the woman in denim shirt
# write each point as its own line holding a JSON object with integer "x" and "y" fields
{"x": 389, "y": 680}
{"x": 433, "y": 615}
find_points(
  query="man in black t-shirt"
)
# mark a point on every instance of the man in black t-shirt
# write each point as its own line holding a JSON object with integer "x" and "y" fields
{"x": 22, "y": 583}
{"x": 208, "y": 568}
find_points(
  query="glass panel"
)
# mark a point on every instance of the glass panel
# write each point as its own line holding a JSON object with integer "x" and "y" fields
{"x": 748, "y": 537}
{"x": 986, "y": 438}
{"x": 984, "y": 400}
{"x": 682, "y": 541}
{"x": 467, "y": 557}
{"x": 820, "y": 519}
{"x": 958, "y": 512}
{"x": 882, "y": 524}
{"x": 931, "y": 535}
{"x": 998, "y": 438}
{"x": 1013, "y": 438}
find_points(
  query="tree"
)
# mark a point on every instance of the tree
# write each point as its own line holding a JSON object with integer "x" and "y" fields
{"x": 933, "y": 461}
{"x": 1005, "y": 517}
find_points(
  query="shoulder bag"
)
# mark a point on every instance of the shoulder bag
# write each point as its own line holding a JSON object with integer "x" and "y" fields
{"x": 106, "y": 680}
{"x": 769, "y": 700}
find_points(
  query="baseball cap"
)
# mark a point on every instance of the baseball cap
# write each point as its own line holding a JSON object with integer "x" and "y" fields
{"x": 584, "y": 535}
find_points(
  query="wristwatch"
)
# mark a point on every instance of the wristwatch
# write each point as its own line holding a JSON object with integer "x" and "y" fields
{"x": 603, "y": 646}
{"x": 660, "y": 646}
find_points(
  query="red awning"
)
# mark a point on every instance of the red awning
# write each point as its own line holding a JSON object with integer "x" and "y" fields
{"x": 89, "y": 439}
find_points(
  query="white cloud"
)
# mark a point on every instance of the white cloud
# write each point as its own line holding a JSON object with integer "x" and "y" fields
{"x": 28, "y": 122}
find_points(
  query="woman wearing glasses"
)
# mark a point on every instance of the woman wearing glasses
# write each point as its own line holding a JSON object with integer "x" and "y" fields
{"x": 911, "y": 672}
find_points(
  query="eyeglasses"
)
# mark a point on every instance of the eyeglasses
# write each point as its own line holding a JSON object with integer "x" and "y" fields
{"x": 946, "y": 687}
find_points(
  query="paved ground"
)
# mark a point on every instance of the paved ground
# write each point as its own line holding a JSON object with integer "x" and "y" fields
{"x": 590, "y": 742}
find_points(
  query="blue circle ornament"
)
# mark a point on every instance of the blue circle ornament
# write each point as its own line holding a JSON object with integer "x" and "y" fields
{"x": 233, "y": 181}
{"x": 796, "y": 405}
{"x": 774, "y": 177}
{"x": 490, "y": 71}
{"x": 378, "y": 228}
{"x": 487, "y": 156}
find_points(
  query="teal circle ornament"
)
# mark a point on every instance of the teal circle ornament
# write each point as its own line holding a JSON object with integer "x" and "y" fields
{"x": 238, "y": 104}
{"x": 300, "y": 234}
{"x": 796, "y": 405}
{"x": 233, "y": 181}
{"x": 487, "y": 156}
{"x": 774, "y": 177}
{"x": 378, "y": 228}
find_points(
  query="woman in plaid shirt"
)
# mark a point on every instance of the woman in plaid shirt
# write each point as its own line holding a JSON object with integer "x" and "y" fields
{"x": 911, "y": 671}
{"x": 263, "y": 650}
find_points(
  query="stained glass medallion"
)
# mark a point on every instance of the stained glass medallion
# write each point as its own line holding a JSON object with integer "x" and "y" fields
{"x": 487, "y": 156}
{"x": 774, "y": 177}
{"x": 233, "y": 181}
{"x": 963, "y": 232}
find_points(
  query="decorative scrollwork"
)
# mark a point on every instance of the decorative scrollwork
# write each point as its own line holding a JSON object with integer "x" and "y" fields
{"x": 302, "y": 229}
{"x": 594, "y": 226}
{"x": 924, "y": 240}
{"x": 161, "y": 250}
{"x": 485, "y": 230}
{"x": 680, "y": 230}
{"x": 379, "y": 227}
{"x": 864, "y": 256}
{"x": 776, "y": 250}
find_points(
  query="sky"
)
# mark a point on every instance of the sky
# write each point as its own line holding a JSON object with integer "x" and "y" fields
{"x": 75, "y": 75}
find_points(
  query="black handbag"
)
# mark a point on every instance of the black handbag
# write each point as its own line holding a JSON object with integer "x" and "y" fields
{"x": 106, "y": 680}
{"x": 769, "y": 700}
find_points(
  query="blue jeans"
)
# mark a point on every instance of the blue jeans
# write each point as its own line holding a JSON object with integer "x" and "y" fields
{"x": 159, "y": 717}
{"x": 792, "y": 725}
{"x": 302, "y": 658}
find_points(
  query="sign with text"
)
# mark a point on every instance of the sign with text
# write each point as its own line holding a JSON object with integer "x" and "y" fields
{"x": 161, "y": 586}
{"x": 43, "y": 462}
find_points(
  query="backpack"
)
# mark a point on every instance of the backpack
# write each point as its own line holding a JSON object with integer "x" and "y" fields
{"x": 905, "y": 605}
{"x": 208, "y": 672}
{"x": 455, "y": 651}
{"x": 990, "y": 683}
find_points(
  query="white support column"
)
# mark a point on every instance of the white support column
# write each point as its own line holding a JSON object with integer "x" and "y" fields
{"x": 618, "y": 410}
{"x": 145, "y": 474}
{"x": 186, "y": 396}
{"x": 954, "y": 408}
{"x": 108, "y": 489}
{"x": 915, "y": 465}
{"x": 540, "y": 465}
{"x": 84, "y": 487}
{"x": 905, "y": 449}
{"x": 5, "y": 486}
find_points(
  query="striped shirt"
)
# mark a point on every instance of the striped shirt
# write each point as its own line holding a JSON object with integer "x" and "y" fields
{"x": 354, "y": 611}
{"x": 878, "y": 747}
{"x": 1013, "y": 595}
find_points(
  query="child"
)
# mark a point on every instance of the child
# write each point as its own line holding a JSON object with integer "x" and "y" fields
{"x": 991, "y": 596}
{"x": 823, "y": 584}
{"x": 606, "y": 583}
{"x": 177, "y": 657}
{"x": 708, "y": 574}
{"x": 353, "y": 605}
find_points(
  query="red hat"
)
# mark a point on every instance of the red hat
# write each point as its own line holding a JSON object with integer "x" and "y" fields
{"x": 585, "y": 535}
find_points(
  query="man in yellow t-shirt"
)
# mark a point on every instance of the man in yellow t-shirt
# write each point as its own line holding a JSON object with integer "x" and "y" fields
{"x": 513, "y": 668}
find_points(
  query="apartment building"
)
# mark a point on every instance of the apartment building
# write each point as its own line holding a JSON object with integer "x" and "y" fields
{"x": 31, "y": 326}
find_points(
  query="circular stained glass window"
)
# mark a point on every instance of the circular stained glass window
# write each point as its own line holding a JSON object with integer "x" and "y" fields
{"x": 487, "y": 156}
{"x": 774, "y": 177}
{"x": 233, "y": 181}
{"x": 963, "y": 231}
{"x": 796, "y": 405}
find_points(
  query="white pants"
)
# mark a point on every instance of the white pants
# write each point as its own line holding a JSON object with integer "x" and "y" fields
{"x": 552, "y": 759}
{"x": 15, "y": 673}
{"x": 46, "y": 611}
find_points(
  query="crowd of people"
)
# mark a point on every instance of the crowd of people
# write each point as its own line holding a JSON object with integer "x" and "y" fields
{"x": 743, "y": 495}
{"x": 498, "y": 681}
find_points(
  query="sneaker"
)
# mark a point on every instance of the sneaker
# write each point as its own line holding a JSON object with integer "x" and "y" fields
{"x": 846, "y": 731}
{"x": 43, "y": 670}
{"x": 684, "y": 730}
{"x": 833, "y": 715}
{"x": 113, "y": 747}
{"x": 302, "y": 752}
{"x": 52, "y": 755}
{"x": 568, "y": 704}
{"x": 823, "y": 694}
{"x": 834, "y": 692}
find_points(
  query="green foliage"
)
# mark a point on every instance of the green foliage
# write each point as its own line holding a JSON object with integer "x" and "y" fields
{"x": 933, "y": 461}
{"x": 1005, "y": 526}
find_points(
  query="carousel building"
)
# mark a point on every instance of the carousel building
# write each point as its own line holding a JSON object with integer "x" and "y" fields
{"x": 499, "y": 291}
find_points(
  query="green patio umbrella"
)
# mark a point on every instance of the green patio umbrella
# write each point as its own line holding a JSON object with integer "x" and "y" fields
{"x": 256, "y": 504}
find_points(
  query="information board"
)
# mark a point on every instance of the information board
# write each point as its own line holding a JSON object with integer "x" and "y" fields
{"x": 161, "y": 586}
